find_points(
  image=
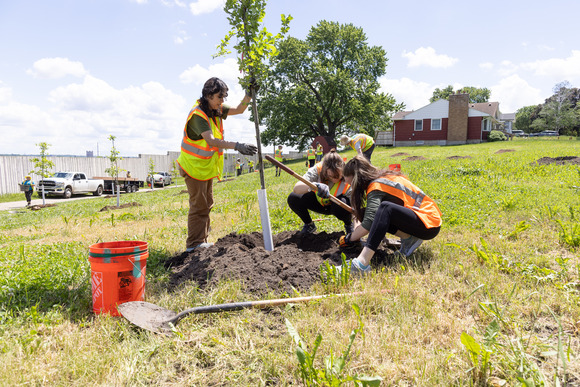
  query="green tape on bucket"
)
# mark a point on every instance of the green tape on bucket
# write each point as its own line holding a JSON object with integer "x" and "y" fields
{"x": 114, "y": 255}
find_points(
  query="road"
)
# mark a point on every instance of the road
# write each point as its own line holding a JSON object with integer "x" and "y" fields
{"x": 21, "y": 204}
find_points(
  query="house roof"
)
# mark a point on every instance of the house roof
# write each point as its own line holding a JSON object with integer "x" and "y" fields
{"x": 401, "y": 115}
{"x": 491, "y": 108}
{"x": 437, "y": 109}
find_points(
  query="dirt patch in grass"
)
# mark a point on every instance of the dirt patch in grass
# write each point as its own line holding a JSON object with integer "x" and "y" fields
{"x": 563, "y": 160}
{"x": 37, "y": 207}
{"x": 458, "y": 157}
{"x": 415, "y": 158}
{"x": 504, "y": 151}
{"x": 294, "y": 263}
{"x": 400, "y": 154}
{"x": 126, "y": 205}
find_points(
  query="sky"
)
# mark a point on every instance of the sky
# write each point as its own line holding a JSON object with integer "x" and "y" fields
{"x": 74, "y": 72}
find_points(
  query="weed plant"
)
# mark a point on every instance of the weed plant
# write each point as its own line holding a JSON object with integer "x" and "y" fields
{"x": 493, "y": 300}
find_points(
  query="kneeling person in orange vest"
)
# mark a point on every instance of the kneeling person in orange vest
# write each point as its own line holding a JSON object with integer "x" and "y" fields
{"x": 393, "y": 205}
{"x": 327, "y": 176}
{"x": 201, "y": 158}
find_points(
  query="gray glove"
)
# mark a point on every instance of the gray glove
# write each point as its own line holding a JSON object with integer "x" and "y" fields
{"x": 246, "y": 149}
{"x": 322, "y": 190}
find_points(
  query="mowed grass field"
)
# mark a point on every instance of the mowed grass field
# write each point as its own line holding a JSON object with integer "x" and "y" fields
{"x": 493, "y": 299}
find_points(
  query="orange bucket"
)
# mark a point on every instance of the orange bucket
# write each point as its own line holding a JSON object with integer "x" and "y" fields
{"x": 117, "y": 274}
{"x": 395, "y": 167}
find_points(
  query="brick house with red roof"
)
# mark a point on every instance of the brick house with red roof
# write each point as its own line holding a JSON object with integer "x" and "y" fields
{"x": 447, "y": 122}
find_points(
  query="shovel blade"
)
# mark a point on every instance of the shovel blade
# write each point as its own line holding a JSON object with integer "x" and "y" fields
{"x": 148, "y": 316}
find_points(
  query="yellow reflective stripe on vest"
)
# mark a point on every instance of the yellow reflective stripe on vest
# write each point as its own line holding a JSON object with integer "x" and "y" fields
{"x": 206, "y": 154}
{"x": 416, "y": 196}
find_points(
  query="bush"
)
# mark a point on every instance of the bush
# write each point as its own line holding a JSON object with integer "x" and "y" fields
{"x": 496, "y": 135}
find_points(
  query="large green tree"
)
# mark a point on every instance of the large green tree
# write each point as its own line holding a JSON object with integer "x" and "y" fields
{"x": 560, "y": 112}
{"x": 525, "y": 117}
{"x": 325, "y": 85}
{"x": 476, "y": 94}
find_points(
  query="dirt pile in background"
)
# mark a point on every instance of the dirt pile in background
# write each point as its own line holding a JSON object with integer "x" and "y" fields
{"x": 415, "y": 158}
{"x": 295, "y": 261}
{"x": 126, "y": 205}
{"x": 559, "y": 160}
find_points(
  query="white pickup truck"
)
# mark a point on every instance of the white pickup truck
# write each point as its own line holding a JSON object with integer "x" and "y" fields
{"x": 66, "y": 184}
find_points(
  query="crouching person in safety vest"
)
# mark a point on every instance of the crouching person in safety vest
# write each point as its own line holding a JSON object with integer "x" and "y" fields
{"x": 201, "y": 158}
{"x": 327, "y": 176}
{"x": 393, "y": 205}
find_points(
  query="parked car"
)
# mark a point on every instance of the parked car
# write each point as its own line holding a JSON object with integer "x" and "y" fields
{"x": 549, "y": 133}
{"x": 518, "y": 133}
{"x": 66, "y": 184}
{"x": 160, "y": 178}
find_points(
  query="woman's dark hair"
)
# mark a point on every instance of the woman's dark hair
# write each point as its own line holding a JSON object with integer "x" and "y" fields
{"x": 212, "y": 86}
{"x": 363, "y": 173}
{"x": 332, "y": 164}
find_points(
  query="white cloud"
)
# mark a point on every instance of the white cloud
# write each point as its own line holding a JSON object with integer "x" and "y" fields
{"x": 5, "y": 93}
{"x": 557, "y": 69}
{"x": 205, "y": 6}
{"x": 507, "y": 68}
{"x": 181, "y": 35}
{"x": 53, "y": 68}
{"x": 145, "y": 119}
{"x": 513, "y": 93}
{"x": 426, "y": 56}
{"x": 227, "y": 70}
{"x": 486, "y": 66}
{"x": 140, "y": 1}
{"x": 171, "y": 3}
{"x": 414, "y": 94}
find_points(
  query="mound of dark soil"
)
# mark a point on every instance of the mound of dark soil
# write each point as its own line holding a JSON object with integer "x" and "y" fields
{"x": 295, "y": 261}
{"x": 126, "y": 205}
{"x": 458, "y": 157}
{"x": 415, "y": 158}
{"x": 504, "y": 151}
{"x": 37, "y": 207}
{"x": 559, "y": 160}
{"x": 400, "y": 154}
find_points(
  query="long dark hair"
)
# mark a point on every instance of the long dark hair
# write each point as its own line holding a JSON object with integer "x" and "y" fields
{"x": 331, "y": 163}
{"x": 212, "y": 86}
{"x": 363, "y": 173}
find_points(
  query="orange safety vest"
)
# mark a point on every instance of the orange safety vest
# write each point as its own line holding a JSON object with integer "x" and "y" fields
{"x": 311, "y": 154}
{"x": 336, "y": 189}
{"x": 197, "y": 158}
{"x": 278, "y": 155}
{"x": 412, "y": 197}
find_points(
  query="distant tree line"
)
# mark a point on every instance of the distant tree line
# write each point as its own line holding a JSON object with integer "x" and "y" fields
{"x": 560, "y": 112}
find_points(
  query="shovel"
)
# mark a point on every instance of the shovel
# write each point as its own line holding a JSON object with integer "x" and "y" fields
{"x": 160, "y": 320}
{"x": 308, "y": 183}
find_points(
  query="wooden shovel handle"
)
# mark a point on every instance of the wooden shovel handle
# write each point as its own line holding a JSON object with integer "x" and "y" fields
{"x": 308, "y": 183}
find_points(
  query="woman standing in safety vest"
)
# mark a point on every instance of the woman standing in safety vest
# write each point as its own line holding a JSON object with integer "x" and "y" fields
{"x": 393, "y": 205}
{"x": 363, "y": 144}
{"x": 279, "y": 158}
{"x": 311, "y": 156}
{"x": 201, "y": 158}
{"x": 327, "y": 176}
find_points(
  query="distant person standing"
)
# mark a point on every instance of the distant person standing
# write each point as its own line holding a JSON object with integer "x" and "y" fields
{"x": 201, "y": 158}
{"x": 28, "y": 189}
{"x": 363, "y": 144}
{"x": 250, "y": 166}
{"x": 279, "y": 158}
{"x": 311, "y": 156}
{"x": 238, "y": 167}
{"x": 319, "y": 152}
